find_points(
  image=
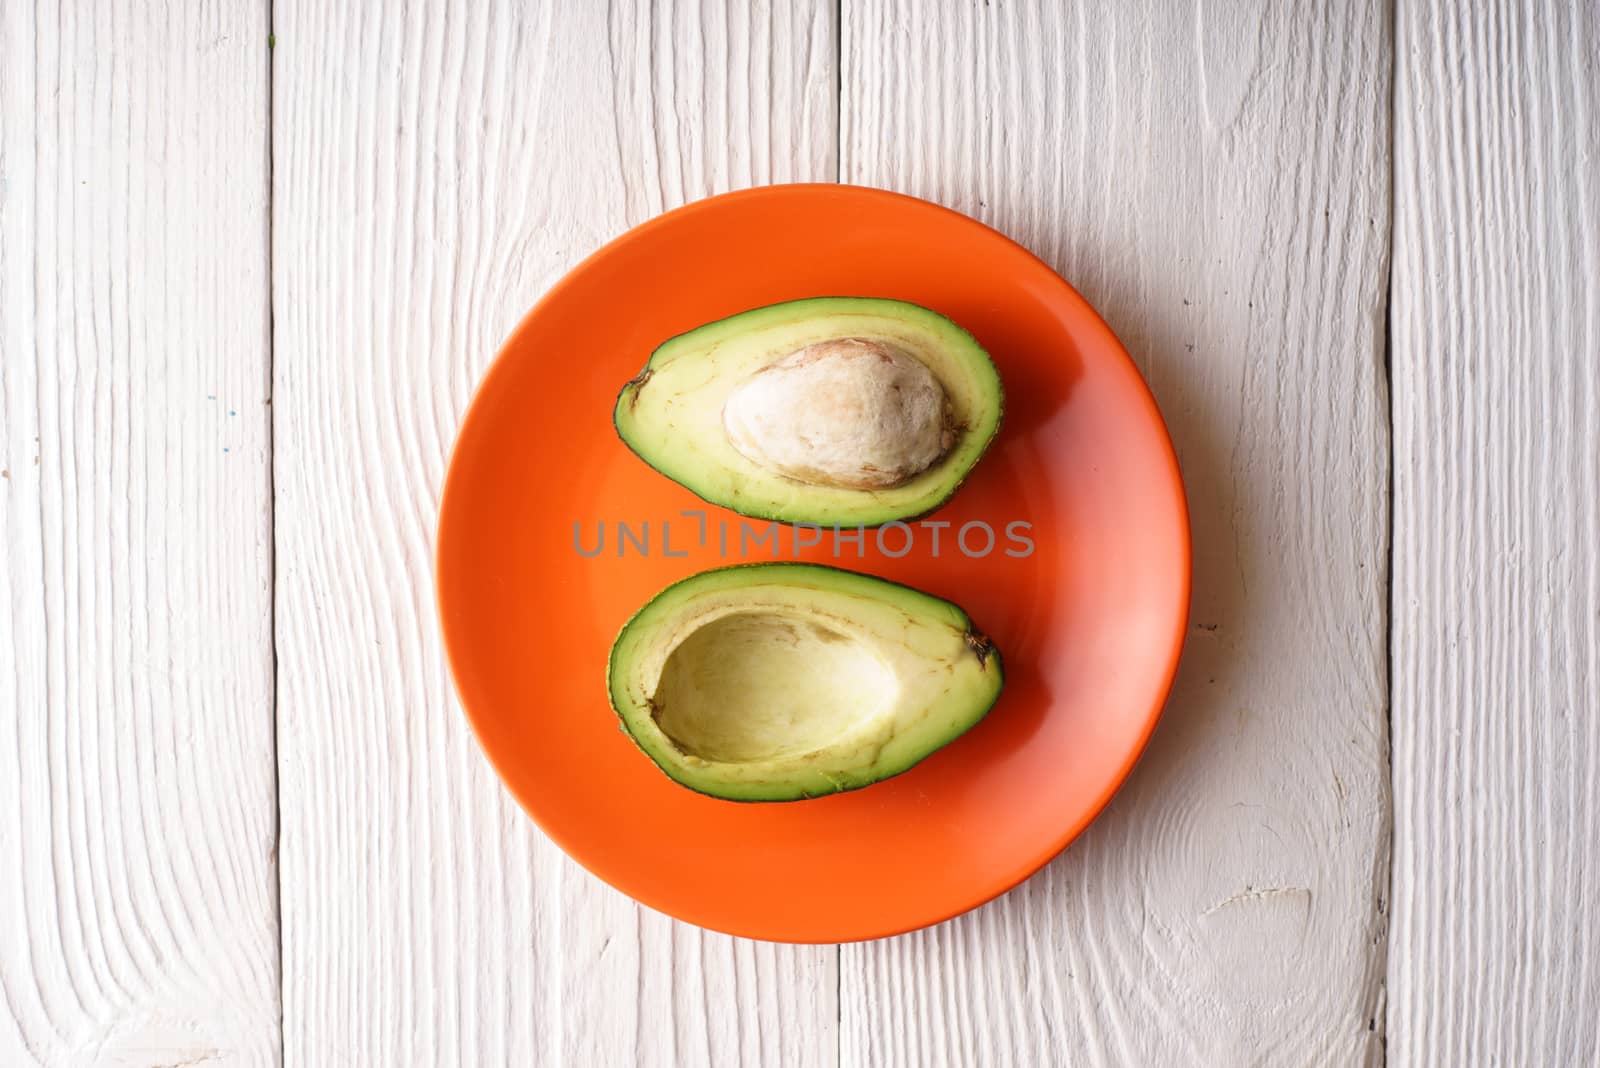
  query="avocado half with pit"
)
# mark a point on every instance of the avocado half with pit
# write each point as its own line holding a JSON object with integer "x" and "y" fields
{"x": 778, "y": 682}
{"x": 833, "y": 411}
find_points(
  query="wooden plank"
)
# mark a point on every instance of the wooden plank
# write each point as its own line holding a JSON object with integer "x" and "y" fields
{"x": 1214, "y": 178}
{"x": 138, "y": 914}
{"x": 436, "y": 169}
{"x": 1496, "y": 315}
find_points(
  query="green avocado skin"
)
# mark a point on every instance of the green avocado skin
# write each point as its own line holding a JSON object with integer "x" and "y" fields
{"x": 776, "y": 498}
{"x": 980, "y": 661}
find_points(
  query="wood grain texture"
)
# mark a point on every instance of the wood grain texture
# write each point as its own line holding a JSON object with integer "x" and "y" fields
{"x": 137, "y": 883}
{"x": 1496, "y": 355}
{"x": 436, "y": 167}
{"x": 1214, "y": 178}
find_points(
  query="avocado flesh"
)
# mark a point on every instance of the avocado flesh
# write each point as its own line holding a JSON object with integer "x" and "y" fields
{"x": 671, "y": 414}
{"x": 777, "y": 682}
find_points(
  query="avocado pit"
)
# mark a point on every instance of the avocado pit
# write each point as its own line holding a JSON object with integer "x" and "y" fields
{"x": 849, "y": 412}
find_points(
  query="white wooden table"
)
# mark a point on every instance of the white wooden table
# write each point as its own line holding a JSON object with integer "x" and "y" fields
{"x": 254, "y": 256}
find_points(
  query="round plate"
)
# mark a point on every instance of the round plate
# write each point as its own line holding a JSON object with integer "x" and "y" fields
{"x": 1090, "y": 622}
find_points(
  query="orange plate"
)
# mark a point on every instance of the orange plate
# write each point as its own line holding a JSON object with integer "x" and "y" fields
{"x": 1090, "y": 624}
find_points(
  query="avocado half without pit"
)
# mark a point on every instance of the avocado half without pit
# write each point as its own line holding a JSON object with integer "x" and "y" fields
{"x": 777, "y": 682}
{"x": 833, "y": 411}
